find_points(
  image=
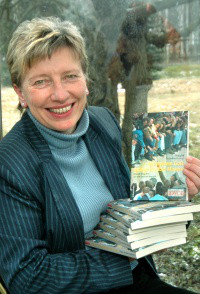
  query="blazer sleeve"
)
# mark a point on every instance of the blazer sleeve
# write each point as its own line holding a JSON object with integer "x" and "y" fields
{"x": 27, "y": 263}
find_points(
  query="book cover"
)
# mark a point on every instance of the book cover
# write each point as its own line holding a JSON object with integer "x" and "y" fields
{"x": 151, "y": 232}
{"x": 133, "y": 222}
{"x": 140, "y": 243}
{"x": 145, "y": 210}
{"x": 159, "y": 151}
{"x": 101, "y": 243}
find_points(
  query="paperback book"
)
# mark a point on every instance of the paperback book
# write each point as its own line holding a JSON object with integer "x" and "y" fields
{"x": 108, "y": 219}
{"x": 139, "y": 243}
{"x": 145, "y": 210}
{"x": 101, "y": 243}
{"x": 133, "y": 222}
{"x": 159, "y": 151}
{"x": 143, "y": 234}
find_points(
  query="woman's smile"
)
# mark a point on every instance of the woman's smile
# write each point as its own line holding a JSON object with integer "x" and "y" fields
{"x": 61, "y": 110}
{"x": 54, "y": 90}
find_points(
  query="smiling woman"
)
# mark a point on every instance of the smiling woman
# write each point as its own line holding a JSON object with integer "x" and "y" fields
{"x": 54, "y": 90}
{"x": 60, "y": 166}
{"x": 50, "y": 76}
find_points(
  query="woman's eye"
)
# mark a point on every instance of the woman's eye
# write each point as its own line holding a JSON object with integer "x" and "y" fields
{"x": 41, "y": 83}
{"x": 71, "y": 77}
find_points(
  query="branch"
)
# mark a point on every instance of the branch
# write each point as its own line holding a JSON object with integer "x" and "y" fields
{"x": 170, "y": 3}
{"x": 33, "y": 6}
{"x": 61, "y": 4}
{"x": 16, "y": 3}
{"x": 157, "y": 6}
{"x": 187, "y": 31}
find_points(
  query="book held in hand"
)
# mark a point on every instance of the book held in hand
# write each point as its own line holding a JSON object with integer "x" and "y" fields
{"x": 159, "y": 151}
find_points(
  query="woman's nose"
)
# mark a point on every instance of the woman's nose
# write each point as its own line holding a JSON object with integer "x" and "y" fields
{"x": 60, "y": 92}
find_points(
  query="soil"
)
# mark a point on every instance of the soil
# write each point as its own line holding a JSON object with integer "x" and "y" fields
{"x": 170, "y": 95}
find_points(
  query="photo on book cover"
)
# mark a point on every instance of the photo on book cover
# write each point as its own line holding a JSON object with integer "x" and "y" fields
{"x": 159, "y": 151}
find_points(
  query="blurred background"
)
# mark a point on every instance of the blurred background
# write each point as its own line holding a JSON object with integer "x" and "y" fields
{"x": 144, "y": 56}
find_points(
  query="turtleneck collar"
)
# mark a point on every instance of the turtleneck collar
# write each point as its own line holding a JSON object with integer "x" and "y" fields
{"x": 60, "y": 140}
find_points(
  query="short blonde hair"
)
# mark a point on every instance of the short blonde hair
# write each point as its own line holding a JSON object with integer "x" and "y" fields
{"x": 37, "y": 39}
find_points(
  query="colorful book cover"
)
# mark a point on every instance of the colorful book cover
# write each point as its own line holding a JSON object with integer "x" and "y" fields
{"x": 159, "y": 151}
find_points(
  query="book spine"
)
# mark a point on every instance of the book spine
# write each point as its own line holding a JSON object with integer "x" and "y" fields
{"x": 114, "y": 222}
{"x": 113, "y": 231}
{"x": 118, "y": 217}
{"x": 116, "y": 249}
{"x": 128, "y": 211}
{"x": 110, "y": 237}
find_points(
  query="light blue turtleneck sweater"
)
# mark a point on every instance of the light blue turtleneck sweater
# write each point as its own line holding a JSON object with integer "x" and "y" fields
{"x": 87, "y": 186}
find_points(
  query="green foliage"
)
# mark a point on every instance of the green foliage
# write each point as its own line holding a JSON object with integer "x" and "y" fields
{"x": 155, "y": 47}
{"x": 181, "y": 70}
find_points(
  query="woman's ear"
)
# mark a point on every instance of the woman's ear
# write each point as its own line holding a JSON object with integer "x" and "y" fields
{"x": 87, "y": 91}
{"x": 20, "y": 95}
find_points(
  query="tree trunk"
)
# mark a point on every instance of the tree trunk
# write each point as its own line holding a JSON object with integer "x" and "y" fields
{"x": 112, "y": 101}
{"x": 130, "y": 96}
{"x": 136, "y": 98}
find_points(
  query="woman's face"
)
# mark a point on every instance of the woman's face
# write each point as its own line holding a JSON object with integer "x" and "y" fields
{"x": 54, "y": 89}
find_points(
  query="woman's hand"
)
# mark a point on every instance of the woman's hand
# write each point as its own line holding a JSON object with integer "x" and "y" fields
{"x": 192, "y": 173}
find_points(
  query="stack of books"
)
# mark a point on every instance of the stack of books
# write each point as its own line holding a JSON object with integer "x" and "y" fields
{"x": 136, "y": 229}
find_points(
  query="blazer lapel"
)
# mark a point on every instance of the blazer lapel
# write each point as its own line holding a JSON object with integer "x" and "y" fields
{"x": 57, "y": 191}
{"x": 65, "y": 204}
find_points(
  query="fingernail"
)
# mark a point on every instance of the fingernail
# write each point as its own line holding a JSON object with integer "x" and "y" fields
{"x": 187, "y": 165}
{"x": 189, "y": 158}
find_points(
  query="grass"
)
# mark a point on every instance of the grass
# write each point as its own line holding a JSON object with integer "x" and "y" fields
{"x": 180, "y": 70}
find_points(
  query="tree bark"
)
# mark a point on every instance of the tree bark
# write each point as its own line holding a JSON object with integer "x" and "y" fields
{"x": 130, "y": 97}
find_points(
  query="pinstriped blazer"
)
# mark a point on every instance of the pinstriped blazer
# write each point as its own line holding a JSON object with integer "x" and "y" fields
{"x": 41, "y": 231}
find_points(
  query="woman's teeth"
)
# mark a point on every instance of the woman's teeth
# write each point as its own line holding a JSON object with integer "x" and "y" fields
{"x": 61, "y": 110}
